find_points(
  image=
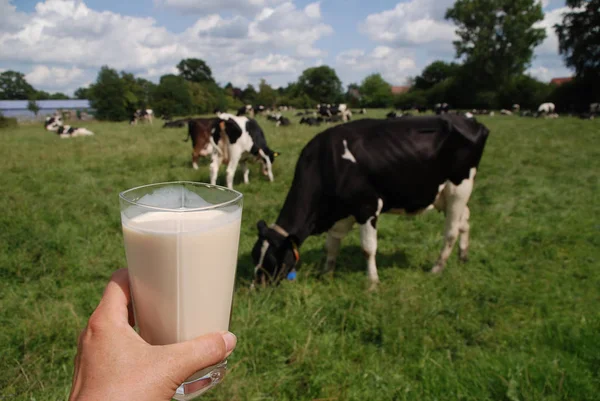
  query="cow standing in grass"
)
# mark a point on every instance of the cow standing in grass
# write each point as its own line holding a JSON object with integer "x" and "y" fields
{"x": 350, "y": 174}
{"x": 237, "y": 138}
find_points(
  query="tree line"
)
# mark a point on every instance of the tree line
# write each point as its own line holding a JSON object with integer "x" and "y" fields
{"x": 496, "y": 41}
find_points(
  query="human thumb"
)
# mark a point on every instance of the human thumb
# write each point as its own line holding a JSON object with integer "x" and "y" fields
{"x": 200, "y": 353}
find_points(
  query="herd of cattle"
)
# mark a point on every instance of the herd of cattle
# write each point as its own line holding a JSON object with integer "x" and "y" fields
{"x": 347, "y": 175}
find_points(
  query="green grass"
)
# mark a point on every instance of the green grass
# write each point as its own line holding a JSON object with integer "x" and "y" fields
{"x": 519, "y": 321}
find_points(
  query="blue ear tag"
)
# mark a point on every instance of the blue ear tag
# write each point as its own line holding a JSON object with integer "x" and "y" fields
{"x": 292, "y": 275}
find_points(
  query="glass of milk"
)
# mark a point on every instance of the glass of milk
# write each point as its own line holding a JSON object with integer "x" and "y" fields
{"x": 181, "y": 242}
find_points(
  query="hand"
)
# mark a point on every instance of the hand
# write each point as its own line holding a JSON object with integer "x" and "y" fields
{"x": 114, "y": 363}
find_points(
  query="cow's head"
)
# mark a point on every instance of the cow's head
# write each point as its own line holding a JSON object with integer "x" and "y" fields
{"x": 53, "y": 123}
{"x": 274, "y": 255}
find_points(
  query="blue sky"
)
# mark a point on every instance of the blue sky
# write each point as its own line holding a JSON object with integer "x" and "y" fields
{"x": 61, "y": 44}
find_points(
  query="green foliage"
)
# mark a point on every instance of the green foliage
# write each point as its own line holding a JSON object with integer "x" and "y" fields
{"x": 109, "y": 96}
{"x": 525, "y": 91}
{"x": 33, "y": 107}
{"x": 496, "y": 37}
{"x": 83, "y": 93}
{"x": 434, "y": 73}
{"x": 195, "y": 70}
{"x": 410, "y": 99}
{"x": 266, "y": 96}
{"x": 375, "y": 92}
{"x": 519, "y": 321}
{"x": 172, "y": 96}
{"x": 14, "y": 86}
{"x": 321, "y": 83}
{"x": 8, "y": 122}
{"x": 579, "y": 37}
{"x": 249, "y": 95}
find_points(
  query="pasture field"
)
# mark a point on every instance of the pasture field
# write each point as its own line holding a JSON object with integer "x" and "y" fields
{"x": 519, "y": 321}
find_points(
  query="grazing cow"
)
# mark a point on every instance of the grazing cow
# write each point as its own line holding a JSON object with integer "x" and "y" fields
{"x": 239, "y": 136}
{"x": 516, "y": 108}
{"x": 391, "y": 114}
{"x": 242, "y": 111}
{"x": 200, "y": 130}
{"x": 311, "y": 121}
{"x": 141, "y": 115}
{"x": 55, "y": 124}
{"x": 279, "y": 119}
{"x": 177, "y": 123}
{"x": 546, "y": 108}
{"x": 353, "y": 172}
{"x": 331, "y": 111}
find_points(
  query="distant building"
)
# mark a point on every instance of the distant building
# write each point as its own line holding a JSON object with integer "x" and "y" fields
{"x": 18, "y": 108}
{"x": 560, "y": 81}
{"x": 398, "y": 90}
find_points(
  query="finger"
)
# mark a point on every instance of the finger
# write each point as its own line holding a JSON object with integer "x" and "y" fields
{"x": 199, "y": 353}
{"x": 116, "y": 297}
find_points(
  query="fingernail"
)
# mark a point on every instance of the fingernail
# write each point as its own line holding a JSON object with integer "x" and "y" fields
{"x": 230, "y": 341}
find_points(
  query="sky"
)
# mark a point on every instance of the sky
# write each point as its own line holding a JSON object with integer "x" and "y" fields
{"x": 61, "y": 44}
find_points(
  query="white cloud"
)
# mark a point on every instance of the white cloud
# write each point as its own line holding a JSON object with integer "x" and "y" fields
{"x": 395, "y": 65}
{"x": 68, "y": 34}
{"x": 550, "y": 44}
{"x": 412, "y": 23}
{"x": 546, "y": 73}
{"x": 10, "y": 18}
{"x": 59, "y": 77}
{"x": 211, "y": 6}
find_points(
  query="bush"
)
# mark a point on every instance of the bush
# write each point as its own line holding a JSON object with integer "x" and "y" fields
{"x": 8, "y": 122}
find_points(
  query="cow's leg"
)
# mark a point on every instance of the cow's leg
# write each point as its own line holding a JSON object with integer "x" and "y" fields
{"x": 368, "y": 240}
{"x": 195, "y": 155}
{"x": 334, "y": 240}
{"x": 455, "y": 200}
{"x": 234, "y": 159}
{"x": 246, "y": 171}
{"x": 215, "y": 163}
{"x": 267, "y": 164}
{"x": 464, "y": 229}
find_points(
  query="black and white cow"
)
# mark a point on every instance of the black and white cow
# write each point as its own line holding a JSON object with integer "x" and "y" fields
{"x": 55, "y": 124}
{"x": 311, "y": 121}
{"x": 141, "y": 115}
{"x": 352, "y": 173}
{"x": 243, "y": 137}
{"x": 546, "y": 108}
{"x": 442, "y": 108}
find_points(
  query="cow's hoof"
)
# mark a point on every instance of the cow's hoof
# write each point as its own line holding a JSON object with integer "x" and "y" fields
{"x": 437, "y": 269}
{"x": 374, "y": 286}
{"x": 463, "y": 257}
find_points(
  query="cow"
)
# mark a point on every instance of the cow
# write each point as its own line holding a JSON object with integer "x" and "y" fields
{"x": 311, "y": 121}
{"x": 177, "y": 123}
{"x": 55, "y": 124}
{"x": 200, "y": 131}
{"x": 516, "y": 108}
{"x": 441, "y": 108}
{"x": 352, "y": 173}
{"x": 506, "y": 112}
{"x": 595, "y": 108}
{"x": 546, "y": 108}
{"x": 329, "y": 111}
{"x": 242, "y": 111}
{"x": 237, "y": 137}
{"x": 141, "y": 115}
{"x": 391, "y": 114}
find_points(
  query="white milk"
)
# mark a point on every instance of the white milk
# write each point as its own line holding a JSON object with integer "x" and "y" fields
{"x": 182, "y": 272}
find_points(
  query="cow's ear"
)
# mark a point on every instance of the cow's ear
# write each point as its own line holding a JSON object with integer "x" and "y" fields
{"x": 262, "y": 228}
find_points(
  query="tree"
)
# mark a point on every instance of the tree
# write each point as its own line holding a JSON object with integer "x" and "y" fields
{"x": 13, "y": 86}
{"x": 496, "y": 37}
{"x": 33, "y": 107}
{"x": 434, "y": 73}
{"x": 108, "y": 96}
{"x": 172, "y": 96}
{"x": 83, "y": 93}
{"x": 195, "y": 70}
{"x": 249, "y": 94}
{"x": 267, "y": 96}
{"x": 579, "y": 37}
{"x": 376, "y": 92}
{"x": 58, "y": 96}
{"x": 321, "y": 84}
